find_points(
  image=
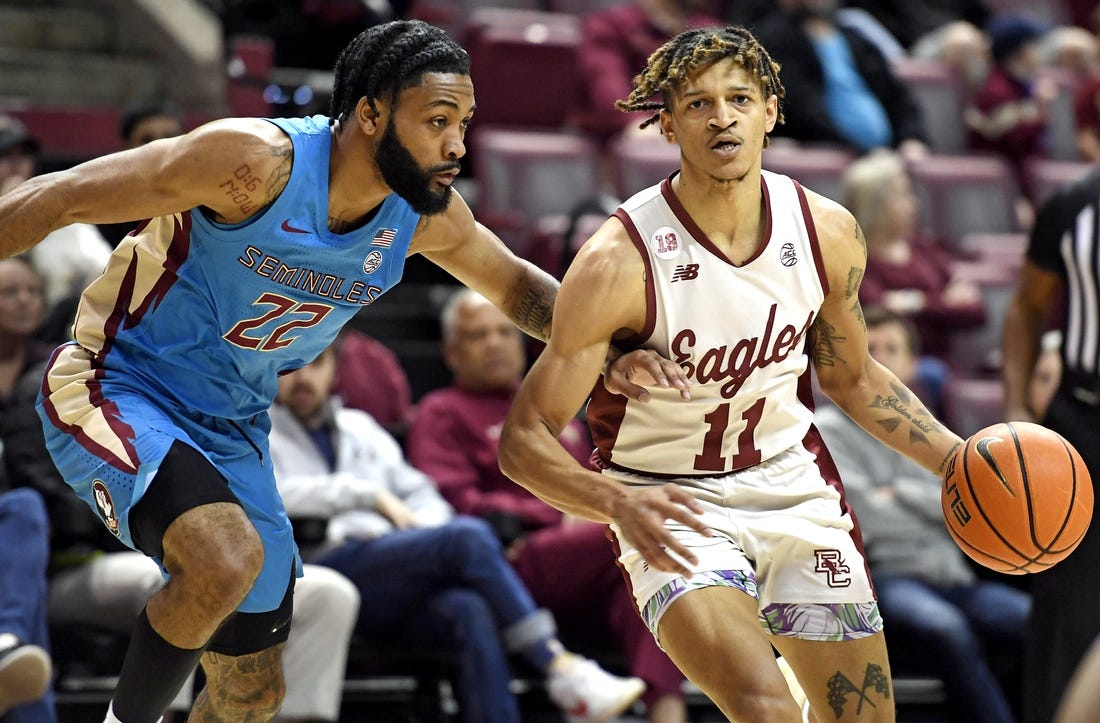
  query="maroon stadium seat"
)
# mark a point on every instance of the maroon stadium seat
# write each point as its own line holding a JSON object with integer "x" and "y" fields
{"x": 965, "y": 194}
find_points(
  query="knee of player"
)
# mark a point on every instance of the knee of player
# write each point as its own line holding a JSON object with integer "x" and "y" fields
{"x": 223, "y": 555}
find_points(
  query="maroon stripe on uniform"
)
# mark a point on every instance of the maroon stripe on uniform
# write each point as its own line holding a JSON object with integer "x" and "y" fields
{"x": 811, "y": 232}
{"x": 828, "y": 471}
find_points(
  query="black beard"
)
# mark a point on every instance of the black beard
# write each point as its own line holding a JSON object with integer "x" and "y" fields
{"x": 404, "y": 176}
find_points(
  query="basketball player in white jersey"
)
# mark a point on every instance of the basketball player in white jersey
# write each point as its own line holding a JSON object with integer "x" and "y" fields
{"x": 726, "y": 507}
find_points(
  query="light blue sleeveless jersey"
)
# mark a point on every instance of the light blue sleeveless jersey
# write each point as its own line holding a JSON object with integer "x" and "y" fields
{"x": 207, "y": 315}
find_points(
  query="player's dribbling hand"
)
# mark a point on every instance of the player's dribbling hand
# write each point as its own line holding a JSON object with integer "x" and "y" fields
{"x": 641, "y": 513}
{"x": 632, "y": 372}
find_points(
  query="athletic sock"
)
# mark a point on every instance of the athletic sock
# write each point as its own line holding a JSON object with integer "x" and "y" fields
{"x": 152, "y": 674}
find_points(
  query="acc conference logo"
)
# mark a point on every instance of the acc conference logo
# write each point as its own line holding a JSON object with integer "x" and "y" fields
{"x": 372, "y": 262}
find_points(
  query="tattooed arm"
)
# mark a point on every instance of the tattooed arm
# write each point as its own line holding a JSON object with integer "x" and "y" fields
{"x": 475, "y": 256}
{"x": 867, "y": 391}
{"x": 233, "y": 168}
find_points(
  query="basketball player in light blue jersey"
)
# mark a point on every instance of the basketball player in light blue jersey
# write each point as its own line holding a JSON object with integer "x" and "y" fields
{"x": 264, "y": 237}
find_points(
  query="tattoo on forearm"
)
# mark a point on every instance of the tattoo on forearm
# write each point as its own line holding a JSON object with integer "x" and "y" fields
{"x": 823, "y": 343}
{"x": 948, "y": 456}
{"x": 855, "y": 277}
{"x": 875, "y": 683}
{"x": 533, "y": 310}
{"x": 920, "y": 421}
{"x": 857, "y": 309}
{"x": 859, "y": 237}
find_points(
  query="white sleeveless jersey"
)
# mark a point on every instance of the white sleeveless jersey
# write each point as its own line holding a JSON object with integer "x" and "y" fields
{"x": 740, "y": 332}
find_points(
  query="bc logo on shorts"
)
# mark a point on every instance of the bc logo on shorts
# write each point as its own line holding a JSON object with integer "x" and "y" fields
{"x": 105, "y": 505}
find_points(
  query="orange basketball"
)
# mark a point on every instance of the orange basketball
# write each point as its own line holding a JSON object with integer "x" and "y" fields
{"x": 1017, "y": 498}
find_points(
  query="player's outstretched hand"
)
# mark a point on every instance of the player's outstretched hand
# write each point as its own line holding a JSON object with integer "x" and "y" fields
{"x": 632, "y": 372}
{"x": 641, "y": 514}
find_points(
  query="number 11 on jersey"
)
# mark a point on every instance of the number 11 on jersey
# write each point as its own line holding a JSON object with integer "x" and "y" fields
{"x": 711, "y": 459}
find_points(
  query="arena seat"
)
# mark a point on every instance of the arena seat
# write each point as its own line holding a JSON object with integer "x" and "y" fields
{"x": 961, "y": 194}
{"x": 1006, "y": 250}
{"x": 641, "y": 161}
{"x": 523, "y": 175}
{"x": 818, "y": 168}
{"x": 454, "y": 15}
{"x": 525, "y": 67}
{"x": 976, "y": 352}
{"x": 941, "y": 96}
{"x": 973, "y": 403}
{"x": 1043, "y": 176}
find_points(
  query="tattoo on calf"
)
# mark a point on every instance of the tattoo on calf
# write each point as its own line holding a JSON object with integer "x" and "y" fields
{"x": 840, "y": 687}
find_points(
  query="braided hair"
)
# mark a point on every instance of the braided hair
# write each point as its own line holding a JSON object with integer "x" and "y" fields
{"x": 385, "y": 59}
{"x": 670, "y": 64}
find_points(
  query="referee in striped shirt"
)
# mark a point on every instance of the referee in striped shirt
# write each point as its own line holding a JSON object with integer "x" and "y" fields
{"x": 1062, "y": 273}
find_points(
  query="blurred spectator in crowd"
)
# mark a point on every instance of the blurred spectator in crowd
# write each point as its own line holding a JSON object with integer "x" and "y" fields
{"x": 912, "y": 20}
{"x": 567, "y": 564}
{"x": 25, "y": 665}
{"x": 142, "y": 122}
{"x": 306, "y": 33}
{"x": 932, "y": 602}
{"x": 845, "y": 90}
{"x": 97, "y": 583}
{"x": 70, "y": 257}
{"x": 963, "y": 47}
{"x": 907, "y": 272}
{"x": 1008, "y": 114}
{"x": 1086, "y": 113}
{"x": 616, "y": 43}
{"x": 425, "y": 576}
{"x": 1071, "y": 49}
{"x": 22, "y": 308}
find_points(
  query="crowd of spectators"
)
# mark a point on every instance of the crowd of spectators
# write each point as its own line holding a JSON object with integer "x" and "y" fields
{"x": 1014, "y": 72}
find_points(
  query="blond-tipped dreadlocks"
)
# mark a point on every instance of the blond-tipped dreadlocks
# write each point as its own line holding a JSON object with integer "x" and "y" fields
{"x": 670, "y": 64}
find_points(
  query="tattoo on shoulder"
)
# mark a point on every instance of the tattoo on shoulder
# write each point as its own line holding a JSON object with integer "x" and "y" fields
{"x": 279, "y": 177}
{"x": 855, "y": 277}
{"x": 872, "y": 690}
{"x": 823, "y": 343}
{"x": 860, "y": 237}
{"x": 857, "y": 309}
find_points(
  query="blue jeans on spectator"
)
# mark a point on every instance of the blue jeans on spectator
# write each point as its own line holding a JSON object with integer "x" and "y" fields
{"x": 953, "y": 626}
{"x": 452, "y": 586}
{"x": 24, "y": 535}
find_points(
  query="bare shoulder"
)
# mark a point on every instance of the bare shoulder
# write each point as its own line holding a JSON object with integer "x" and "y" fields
{"x": 843, "y": 247}
{"x": 248, "y": 158}
{"x": 608, "y": 279}
{"x": 444, "y": 231}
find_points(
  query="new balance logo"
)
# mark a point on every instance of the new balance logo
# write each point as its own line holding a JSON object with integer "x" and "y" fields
{"x": 685, "y": 272}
